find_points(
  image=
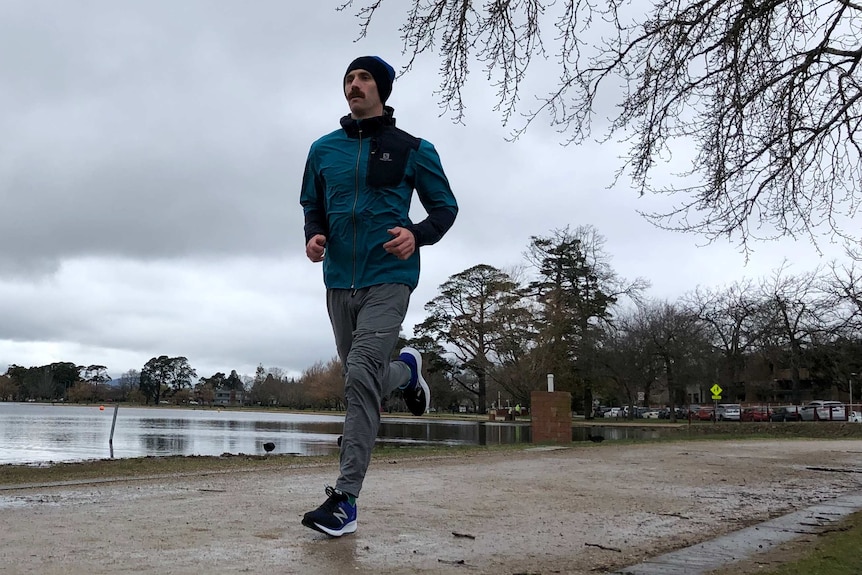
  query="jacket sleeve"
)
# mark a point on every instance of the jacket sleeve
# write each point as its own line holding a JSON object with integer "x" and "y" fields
{"x": 436, "y": 196}
{"x": 312, "y": 199}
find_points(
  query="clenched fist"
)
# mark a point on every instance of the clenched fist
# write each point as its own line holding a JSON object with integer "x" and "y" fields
{"x": 402, "y": 245}
{"x": 315, "y": 247}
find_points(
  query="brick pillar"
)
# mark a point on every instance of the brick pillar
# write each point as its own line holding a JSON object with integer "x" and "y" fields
{"x": 551, "y": 413}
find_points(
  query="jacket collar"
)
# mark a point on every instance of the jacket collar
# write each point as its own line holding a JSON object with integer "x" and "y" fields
{"x": 368, "y": 126}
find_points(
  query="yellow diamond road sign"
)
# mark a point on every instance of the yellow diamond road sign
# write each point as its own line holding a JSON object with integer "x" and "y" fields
{"x": 716, "y": 391}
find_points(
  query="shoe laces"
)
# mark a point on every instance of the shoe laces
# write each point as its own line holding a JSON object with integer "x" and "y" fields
{"x": 334, "y": 497}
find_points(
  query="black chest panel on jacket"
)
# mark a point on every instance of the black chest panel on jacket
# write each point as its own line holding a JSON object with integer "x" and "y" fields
{"x": 387, "y": 161}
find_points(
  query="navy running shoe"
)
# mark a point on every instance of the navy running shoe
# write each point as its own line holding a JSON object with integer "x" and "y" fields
{"x": 336, "y": 517}
{"x": 417, "y": 396}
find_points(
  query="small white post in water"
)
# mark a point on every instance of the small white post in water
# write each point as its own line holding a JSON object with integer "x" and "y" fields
{"x": 550, "y": 382}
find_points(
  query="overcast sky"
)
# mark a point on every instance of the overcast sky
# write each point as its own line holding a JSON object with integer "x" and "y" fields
{"x": 150, "y": 163}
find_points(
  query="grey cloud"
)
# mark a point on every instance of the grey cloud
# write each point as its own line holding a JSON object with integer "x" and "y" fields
{"x": 150, "y": 131}
{"x": 150, "y": 160}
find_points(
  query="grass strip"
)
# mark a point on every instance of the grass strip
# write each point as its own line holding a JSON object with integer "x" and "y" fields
{"x": 836, "y": 551}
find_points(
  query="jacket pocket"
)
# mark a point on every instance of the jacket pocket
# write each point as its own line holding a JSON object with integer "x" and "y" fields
{"x": 386, "y": 168}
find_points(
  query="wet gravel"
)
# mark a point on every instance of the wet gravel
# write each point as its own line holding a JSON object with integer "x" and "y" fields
{"x": 584, "y": 509}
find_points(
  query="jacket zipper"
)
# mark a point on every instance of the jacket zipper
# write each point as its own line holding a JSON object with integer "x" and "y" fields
{"x": 355, "y": 202}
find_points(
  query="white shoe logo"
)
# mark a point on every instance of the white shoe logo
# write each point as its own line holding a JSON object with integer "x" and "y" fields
{"x": 342, "y": 516}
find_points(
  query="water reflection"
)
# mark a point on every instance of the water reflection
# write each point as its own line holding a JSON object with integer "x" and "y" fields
{"x": 580, "y": 433}
{"x": 40, "y": 433}
{"x": 163, "y": 444}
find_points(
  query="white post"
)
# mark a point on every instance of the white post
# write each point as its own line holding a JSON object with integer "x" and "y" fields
{"x": 550, "y": 382}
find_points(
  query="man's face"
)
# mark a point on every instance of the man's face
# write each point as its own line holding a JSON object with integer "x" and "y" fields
{"x": 360, "y": 89}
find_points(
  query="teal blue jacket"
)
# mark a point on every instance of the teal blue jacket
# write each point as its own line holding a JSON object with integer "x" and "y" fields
{"x": 358, "y": 183}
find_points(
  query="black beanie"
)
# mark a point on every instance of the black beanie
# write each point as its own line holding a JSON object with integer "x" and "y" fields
{"x": 383, "y": 73}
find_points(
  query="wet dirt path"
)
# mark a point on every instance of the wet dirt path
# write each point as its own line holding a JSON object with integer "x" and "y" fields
{"x": 584, "y": 509}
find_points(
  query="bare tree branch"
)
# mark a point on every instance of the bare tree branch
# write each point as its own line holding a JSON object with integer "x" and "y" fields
{"x": 767, "y": 93}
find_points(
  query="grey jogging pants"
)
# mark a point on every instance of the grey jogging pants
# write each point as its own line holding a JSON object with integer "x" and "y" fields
{"x": 366, "y": 324}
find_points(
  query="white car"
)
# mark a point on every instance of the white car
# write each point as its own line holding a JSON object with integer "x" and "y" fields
{"x": 855, "y": 417}
{"x": 614, "y": 412}
{"x": 820, "y": 410}
{"x": 728, "y": 412}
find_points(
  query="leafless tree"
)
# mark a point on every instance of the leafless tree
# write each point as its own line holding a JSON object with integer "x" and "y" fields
{"x": 629, "y": 357}
{"x": 768, "y": 94}
{"x": 793, "y": 310}
{"x": 844, "y": 284}
{"x": 730, "y": 318}
{"x": 324, "y": 384}
{"x": 677, "y": 339}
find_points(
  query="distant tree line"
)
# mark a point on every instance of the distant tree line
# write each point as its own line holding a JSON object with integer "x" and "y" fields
{"x": 566, "y": 312}
{"x": 492, "y": 334}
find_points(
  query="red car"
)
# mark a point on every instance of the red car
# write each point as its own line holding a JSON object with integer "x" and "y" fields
{"x": 704, "y": 414}
{"x": 756, "y": 414}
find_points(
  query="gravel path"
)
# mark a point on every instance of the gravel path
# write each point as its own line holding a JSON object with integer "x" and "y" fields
{"x": 583, "y": 509}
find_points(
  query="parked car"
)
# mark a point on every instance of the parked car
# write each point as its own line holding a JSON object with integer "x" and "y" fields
{"x": 650, "y": 414}
{"x": 855, "y": 417}
{"x": 728, "y": 412}
{"x": 679, "y": 413}
{"x": 636, "y": 412}
{"x": 614, "y": 412}
{"x": 786, "y": 413}
{"x": 759, "y": 413}
{"x": 704, "y": 414}
{"x": 820, "y": 410}
{"x": 600, "y": 411}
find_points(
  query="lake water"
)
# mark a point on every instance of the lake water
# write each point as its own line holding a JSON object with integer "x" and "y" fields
{"x": 41, "y": 433}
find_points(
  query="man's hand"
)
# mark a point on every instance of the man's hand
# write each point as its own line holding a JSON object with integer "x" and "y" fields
{"x": 402, "y": 245}
{"x": 315, "y": 247}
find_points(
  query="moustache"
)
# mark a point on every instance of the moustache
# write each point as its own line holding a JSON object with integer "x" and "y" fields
{"x": 355, "y": 94}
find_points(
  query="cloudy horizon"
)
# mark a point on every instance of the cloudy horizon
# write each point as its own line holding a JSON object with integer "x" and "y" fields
{"x": 150, "y": 184}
